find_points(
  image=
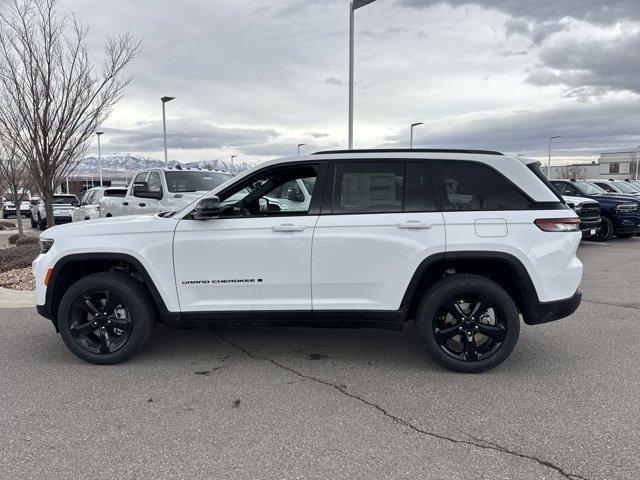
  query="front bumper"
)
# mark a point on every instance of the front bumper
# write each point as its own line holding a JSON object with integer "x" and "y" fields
{"x": 588, "y": 225}
{"x": 544, "y": 312}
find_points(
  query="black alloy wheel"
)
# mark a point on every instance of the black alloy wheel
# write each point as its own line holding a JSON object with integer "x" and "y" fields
{"x": 106, "y": 317}
{"x": 469, "y": 327}
{"x": 101, "y": 322}
{"x": 606, "y": 230}
{"x": 468, "y": 323}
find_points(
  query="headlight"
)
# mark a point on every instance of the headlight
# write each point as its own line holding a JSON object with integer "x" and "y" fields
{"x": 627, "y": 208}
{"x": 45, "y": 245}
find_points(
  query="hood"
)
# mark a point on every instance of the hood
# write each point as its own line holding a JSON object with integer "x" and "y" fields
{"x": 188, "y": 197}
{"x": 616, "y": 197}
{"x": 133, "y": 224}
{"x": 578, "y": 200}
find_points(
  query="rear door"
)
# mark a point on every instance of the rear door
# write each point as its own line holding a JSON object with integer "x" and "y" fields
{"x": 380, "y": 223}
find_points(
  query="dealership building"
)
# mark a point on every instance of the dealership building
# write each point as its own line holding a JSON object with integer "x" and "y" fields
{"x": 617, "y": 165}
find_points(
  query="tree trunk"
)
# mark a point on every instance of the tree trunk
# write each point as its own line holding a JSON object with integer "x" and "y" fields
{"x": 19, "y": 221}
{"x": 48, "y": 209}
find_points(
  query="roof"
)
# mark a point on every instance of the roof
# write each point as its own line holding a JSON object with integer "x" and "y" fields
{"x": 410, "y": 150}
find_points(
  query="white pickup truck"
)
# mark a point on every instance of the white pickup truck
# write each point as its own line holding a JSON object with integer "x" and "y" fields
{"x": 92, "y": 201}
{"x": 157, "y": 190}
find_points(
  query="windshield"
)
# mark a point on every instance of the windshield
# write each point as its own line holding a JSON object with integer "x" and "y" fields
{"x": 589, "y": 188}
{"x": 9, "y": 197}
{"x": 625, "y": 187}
{"x": 190, "y": 181}
{"x": 64, "y": 199}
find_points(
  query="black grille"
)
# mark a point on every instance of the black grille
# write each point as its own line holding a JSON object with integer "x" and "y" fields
{"x": 590, "y": 210}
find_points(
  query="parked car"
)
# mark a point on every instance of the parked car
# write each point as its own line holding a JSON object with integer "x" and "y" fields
{"x": 589, "y": 212}
{"x": 620, "y": 213}
{"x": 63, "y": 207}
{"x": 616, "y": 186}
{"x": 9, "y": 205}
{"x": 465, "y": 242}
{"x": 89, "y": 208}
{"x": 157, "y": 190}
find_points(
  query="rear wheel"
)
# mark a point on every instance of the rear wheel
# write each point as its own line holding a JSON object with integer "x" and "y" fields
{"x": 606, "y": 230}
{"x": 106, "y": 318}
{"x": 468, "y": 323}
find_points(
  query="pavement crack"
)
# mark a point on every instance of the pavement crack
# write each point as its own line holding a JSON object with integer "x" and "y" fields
{"x": 474, "y": 442}
{"x": 632, "y": 306}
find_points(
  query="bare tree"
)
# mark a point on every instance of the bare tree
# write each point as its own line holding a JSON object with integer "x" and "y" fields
{"x": 572, "y": 171}
{"x": 52, "y": 98}
{"x": 13, "y": 170}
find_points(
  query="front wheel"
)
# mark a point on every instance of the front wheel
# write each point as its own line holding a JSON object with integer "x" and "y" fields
{"x": 468, "y": 323}
{"x": 106, "y": 318}
{"x": 606, "y": 230}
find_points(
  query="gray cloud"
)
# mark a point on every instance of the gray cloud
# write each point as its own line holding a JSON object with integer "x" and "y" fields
{"x": 592, "y": 11}
{"x": 186, "y": 134}
{"x": 333, "y": 81}
{"x": 586, "y": 130}
{"x": 591, "y": 65}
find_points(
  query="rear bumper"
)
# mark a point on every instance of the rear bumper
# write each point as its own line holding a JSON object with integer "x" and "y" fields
{"x": 544, "y": 312}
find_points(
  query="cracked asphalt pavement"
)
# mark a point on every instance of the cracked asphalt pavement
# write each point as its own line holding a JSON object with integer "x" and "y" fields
{"x": 319, "y": 403}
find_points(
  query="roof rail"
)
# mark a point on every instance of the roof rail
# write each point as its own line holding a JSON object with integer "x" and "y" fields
{"x": 411, "y": 150}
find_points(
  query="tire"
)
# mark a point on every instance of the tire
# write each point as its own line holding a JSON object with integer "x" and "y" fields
{"x": 42, "y": 224}
{"x": 124, "y": 326}
{"x": 33, "y": 222}
{"x": 5, "y": 215}
{"x": 440, "y": 332}
{"x": 606, "y": 230}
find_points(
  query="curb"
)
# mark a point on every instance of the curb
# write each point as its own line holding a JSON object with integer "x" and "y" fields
{"x": 17, "y": 298}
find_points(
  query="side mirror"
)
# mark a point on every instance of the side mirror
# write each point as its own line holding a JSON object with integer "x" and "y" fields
{"x": 207, "y": 208}
{"x": 141, "y": 190}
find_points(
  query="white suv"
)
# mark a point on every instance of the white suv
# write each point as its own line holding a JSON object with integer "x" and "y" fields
{"x": 464, "y": 242}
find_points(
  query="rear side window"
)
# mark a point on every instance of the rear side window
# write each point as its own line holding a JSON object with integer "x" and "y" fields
{"x": 115, "y": 193}
{"x": 470, "y": 186}
{"x": 419, "y": 196}
{"x": 373, "y": 187}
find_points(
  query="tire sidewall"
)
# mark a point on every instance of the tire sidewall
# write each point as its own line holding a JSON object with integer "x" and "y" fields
{"x": 453, "y": 285}
{"x": 135, "y": 299}
{"x": 606, "y": 222}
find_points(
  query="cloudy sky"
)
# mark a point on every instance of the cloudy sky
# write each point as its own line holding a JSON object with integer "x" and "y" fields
{"x": 255, "y": 78}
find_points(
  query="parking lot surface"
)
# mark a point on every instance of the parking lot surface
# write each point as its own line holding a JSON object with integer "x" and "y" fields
{"x": 320, "y": 403}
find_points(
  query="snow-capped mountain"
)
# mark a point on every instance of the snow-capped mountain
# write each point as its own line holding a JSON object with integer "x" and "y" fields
{"x": 118, "y": 164}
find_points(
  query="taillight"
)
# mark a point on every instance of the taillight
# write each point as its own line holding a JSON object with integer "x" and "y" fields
{"x": 558, "y": 224}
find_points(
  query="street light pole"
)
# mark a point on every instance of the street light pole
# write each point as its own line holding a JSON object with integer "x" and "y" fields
{"x": 232, "y": 157}
{"x": 164, "y": 129}
{"x": 637, "y": 160}
{"x": 99, "y": 155}
{"x": 300, "y": 145}
{"x": 549, "y": 162}
{"x": 413, "y": 125}
{"x": 353, "y": 6}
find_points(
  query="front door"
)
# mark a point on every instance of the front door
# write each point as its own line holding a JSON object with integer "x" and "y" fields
{"x": 257, "y": 255}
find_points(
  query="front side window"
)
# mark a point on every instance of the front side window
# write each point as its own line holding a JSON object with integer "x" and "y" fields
{"x": 276, "y": 192}
{"x": 470, "y": 186}
{"x": 606, "y": 187}
{"x": 140, "y": 178}
{"x": 372, "y": 187}
{"x": 154, "y": 183}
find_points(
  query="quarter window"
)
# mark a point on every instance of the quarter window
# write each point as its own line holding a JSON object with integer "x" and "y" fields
{"x": 470, "y": 186}
{"x": 375, "y": 187}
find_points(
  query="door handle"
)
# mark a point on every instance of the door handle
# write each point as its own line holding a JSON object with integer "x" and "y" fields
{"x": 142, "y": 204}
{"x": 415, "y": 224}
{"x": 288, "y": 227}
{"x": 125, "y": 203}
